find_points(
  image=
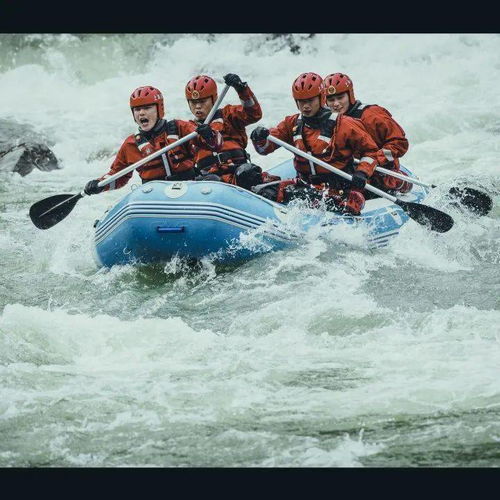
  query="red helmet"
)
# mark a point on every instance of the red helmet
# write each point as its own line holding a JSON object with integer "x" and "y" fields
{"x": 308, "y": 85}
{"x": 338, "y": 83}
{"x": 200, "y": 87}
{"x": 142, "y": 96}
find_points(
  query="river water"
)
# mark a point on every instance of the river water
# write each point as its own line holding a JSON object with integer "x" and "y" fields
{"x": 324, "y": 355}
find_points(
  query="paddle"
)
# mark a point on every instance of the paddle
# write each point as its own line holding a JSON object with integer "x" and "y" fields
{"x": 49, "y": 211}
{"x": 474, "y": 200}
{"x": 431, "y": 217}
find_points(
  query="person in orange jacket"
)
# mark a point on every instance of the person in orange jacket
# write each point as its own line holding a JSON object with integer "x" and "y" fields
{"x": 332, "y": 138}
{"x": 387, "y": 133}
{"x": 230, "y": 163}
{"x": 148, "y": 110}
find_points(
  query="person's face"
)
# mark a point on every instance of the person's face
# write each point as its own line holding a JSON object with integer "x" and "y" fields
{"x": 309, "y": 107}
{"x": 200, "y": 107}
{"x": 338, "y": 103}
{"x": 145, "y": 116}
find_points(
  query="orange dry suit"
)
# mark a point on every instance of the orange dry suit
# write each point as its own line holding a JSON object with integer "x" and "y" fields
{"x": 331, "y": 137}
{"x": 176, "y": 164}
{"x": 390, "y": 139}
{"x": 231, "y": 122}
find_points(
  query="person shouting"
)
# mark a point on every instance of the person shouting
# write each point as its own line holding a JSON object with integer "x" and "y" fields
{"x": 155, "y": 132}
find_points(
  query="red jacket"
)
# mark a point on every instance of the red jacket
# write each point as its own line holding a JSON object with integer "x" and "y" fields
{"x": 386, "y": 132}
{"x": 335, "y": 140}
{"x": 231, "y": 122}
{"x": 179, "y": 160}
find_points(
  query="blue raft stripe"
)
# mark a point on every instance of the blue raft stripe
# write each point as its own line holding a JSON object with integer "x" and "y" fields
{"x": 197, "y": 205}
{"x": 174, "y": 214}
{"x": 172, "y": 208}
{"x": 166, "y": 210}
{"x": 274, "y": 235}
{"x": 162, "y": 211}
{"x": 185, "y": 206}
{"x": 383, "y": 236}
{"x": 382, "y": 240}
{"x": 275, "y": 232}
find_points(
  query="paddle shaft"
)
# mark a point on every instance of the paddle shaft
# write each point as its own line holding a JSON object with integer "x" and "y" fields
{"x": 154, "y": 155}
{"x": 378, "y": 169}
{"x": 138, "y": 164}
{"x": 404, "y": 177}
{"x": 323, "y": 164}
{"x": 401, "y": 176}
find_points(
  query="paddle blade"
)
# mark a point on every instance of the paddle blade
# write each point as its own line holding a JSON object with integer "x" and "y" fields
{"x": 49, "y": 211}
{"x": 476, "y": 201}
{"x": 433, "y": 218}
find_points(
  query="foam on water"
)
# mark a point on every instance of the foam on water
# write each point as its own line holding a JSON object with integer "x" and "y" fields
{"x": 299, "y": 370}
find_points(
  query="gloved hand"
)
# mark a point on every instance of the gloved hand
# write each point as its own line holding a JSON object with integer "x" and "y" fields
{"x": 267, "y": 177}
{"x": 259, "y": 134}
{"x": 358, "y": 180}
{"x": 205, "y": 131}
{"x": 392, "y": 184}
{"x": 92, "y": 188}
{"x": 382, "y": 159}
{"x": 235, "y": 81}
{"x": 333, "y": 200}
{"x": 355, "y": 202}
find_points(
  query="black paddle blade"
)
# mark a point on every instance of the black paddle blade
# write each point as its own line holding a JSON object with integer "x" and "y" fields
{"x": 476, "y": 201}
{"x": 49, "y": 211}
{"x": 433, "y": 218}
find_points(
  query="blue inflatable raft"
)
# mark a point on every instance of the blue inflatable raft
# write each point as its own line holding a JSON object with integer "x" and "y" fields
{"x": 163, "y": 219}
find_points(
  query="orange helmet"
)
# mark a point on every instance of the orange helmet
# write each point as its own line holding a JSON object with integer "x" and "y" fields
{"x": 142, "y": 96}
{"x": 338, "y": 83}
{"x": 200, "y": 87}
{"x": 308, "y": 85}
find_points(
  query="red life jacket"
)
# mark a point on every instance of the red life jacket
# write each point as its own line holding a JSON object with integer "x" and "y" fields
{"x": 168, "y": 163}
{"x": 321, "y": 147}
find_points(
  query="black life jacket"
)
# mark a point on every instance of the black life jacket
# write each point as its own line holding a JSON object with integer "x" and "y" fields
{"x": 218, "y": 162}
{"x": 357, "y": 109}
{"x": 226, "y": 136}
{"x": 325, "y": 123}
{"x": 142, "y": 140}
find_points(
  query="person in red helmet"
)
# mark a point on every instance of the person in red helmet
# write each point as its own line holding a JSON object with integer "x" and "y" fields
{"x": 230, "y": 163}
{"x": 327, "y": 136}
{"x": 148, "y": 110}
{"x": 387, "y": 133}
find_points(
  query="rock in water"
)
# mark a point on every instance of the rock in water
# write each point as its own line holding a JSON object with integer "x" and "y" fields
{"x": 22, "y": 149}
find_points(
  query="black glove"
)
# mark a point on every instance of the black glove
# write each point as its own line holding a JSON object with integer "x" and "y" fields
{"x": 358, "y": 180}
{"x": 259, "y": 134}
{"x": 235, "y": 81}
{"x": 92, "y": 188}
{"x": 206, "y": 132}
